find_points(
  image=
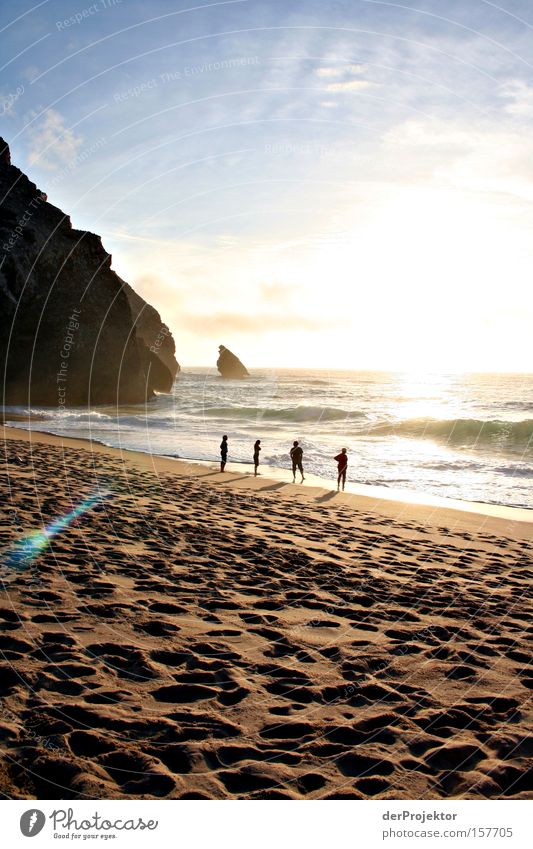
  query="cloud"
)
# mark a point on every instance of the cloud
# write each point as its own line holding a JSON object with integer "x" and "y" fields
{"x": 277, "y": 292}
{"x": 154, "y": 287}
{"x": 478, "y": 157}
{"x": 52, "y": 144}
{"x": 30, "y": 73}
{"x": 339, "y": 70}
{"x": 207, "y": 325}
{"x": 8, "y": 100}
{"x": 519, "y": 98}
{"x": 347, "y": 81}
{"x": 349, "y": 85}
{"x": 419, "y": 133}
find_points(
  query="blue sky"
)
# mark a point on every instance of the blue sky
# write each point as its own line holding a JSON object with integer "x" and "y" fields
{"x": 311, "y": 183}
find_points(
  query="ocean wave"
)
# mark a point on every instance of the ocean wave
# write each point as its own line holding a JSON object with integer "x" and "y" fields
{"x": 454, "y": 465}
{"x": 53, "y": 414}
{"x": 517, "y": 405}
{"x": 462, "y": 431}
{"x": 514, "y": 471}
{"x": 287, "y": 414}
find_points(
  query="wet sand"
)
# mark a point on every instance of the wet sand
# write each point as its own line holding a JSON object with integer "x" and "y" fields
{"x": 188, "y": 634}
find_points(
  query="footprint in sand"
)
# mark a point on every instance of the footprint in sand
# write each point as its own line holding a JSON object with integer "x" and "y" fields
{"x": 137, "y": 774}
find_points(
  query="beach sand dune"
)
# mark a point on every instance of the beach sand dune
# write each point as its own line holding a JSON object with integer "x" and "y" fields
{"x": 189, "y": 635}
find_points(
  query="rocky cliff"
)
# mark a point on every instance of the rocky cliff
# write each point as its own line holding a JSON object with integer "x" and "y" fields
{"x": 157, "y": 338}
{"x": 229, "y": 365}
{"x": 71, "y": 331}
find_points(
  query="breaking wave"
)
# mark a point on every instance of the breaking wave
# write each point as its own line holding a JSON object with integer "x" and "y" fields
{"x": 462, "y": 431}
{"x": 287, "y": 414}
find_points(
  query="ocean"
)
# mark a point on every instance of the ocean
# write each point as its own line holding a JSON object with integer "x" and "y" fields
{"x": 467, "y": 437}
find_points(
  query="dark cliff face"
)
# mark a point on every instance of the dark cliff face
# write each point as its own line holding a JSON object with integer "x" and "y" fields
{"x": 71, "y": 331}
{"x": 229, "y": 365}
{"x": 161, "y": 360}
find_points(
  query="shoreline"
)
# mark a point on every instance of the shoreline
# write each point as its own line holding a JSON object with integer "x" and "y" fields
{"x": 393, "y": 501}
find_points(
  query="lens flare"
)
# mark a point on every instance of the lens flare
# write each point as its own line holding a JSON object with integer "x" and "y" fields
{"x": 24, "y": 551}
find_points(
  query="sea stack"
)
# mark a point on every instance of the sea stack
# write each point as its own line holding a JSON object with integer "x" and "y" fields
{"x": 72, "y": 333}
{"x": 229, "y": 365}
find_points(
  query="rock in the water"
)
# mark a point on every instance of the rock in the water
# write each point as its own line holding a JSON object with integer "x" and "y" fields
{"x": 71, "y": 331}
{"x": 229, "y": 365}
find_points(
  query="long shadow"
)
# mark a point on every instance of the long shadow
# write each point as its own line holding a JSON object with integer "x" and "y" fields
{"x": 327, "y": 497}
{"x": 227, "y": 476}
{"x": 272, "y": 488}
{"x": 230, "y": 479}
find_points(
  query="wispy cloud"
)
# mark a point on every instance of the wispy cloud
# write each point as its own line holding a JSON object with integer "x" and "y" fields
{"x": 343, "y": 78}
{"x": 466, "y": 155}
{"x": 206, "y": 325}
{"x": 8, "y": 100}
{"x": 519, "y": 98}
{"x": 30, "y": 73}
{"x": 349, "y": 85}
{"x": 277, "y": 292}
{"x": 329, "y": 71}
{"x": 52, "y": 144}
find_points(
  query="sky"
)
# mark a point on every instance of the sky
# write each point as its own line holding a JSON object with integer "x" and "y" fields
{"x": 342, "y": 184}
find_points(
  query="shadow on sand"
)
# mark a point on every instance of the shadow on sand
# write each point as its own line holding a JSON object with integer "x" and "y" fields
{"x": 273, "y": 487}
{"x": 327, "y": 497}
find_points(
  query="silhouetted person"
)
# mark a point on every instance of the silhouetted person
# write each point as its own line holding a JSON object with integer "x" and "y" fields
{"x": 223, "y": 452}
{"x": 296, "y": 454}
{"x": 342, "y": 465}
{"x": 257, "y": 449}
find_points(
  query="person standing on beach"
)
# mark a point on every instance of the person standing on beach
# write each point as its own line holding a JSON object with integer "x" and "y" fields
{"x": 257, "y": 449}
{"x": 342, "y": 466}
{"x": 223, "y": 452}
{"x": 296, "y": 455}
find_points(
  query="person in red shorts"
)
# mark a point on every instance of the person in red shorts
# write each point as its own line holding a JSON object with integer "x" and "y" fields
{"x": 342, "y": 465}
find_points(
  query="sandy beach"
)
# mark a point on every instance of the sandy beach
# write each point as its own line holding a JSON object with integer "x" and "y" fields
{"x": 178, "y": 633}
